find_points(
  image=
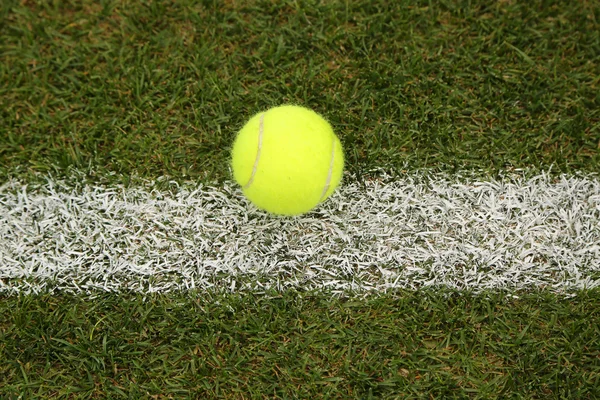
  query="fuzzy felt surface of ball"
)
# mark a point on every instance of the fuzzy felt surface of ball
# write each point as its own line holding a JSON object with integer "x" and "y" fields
{"x": 287, "y": 160}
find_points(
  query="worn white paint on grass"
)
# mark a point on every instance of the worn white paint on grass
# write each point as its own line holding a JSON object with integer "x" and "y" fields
{"x": 419, "y": 230}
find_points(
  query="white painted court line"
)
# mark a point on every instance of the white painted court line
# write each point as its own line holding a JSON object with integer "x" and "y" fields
{"x": 420, "y": 230}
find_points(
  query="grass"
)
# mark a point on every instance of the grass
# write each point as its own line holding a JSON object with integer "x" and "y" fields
{"x": 162, "y": 88}
{"x": 292, "y": 345}
{"x": 121, "y": 88}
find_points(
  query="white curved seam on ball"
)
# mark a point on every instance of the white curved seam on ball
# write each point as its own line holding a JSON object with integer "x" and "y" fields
{"x": 330, "y": 172}
{"x": 261, "y": 125}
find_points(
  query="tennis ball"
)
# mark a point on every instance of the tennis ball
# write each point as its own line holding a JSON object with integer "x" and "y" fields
{"x": 287, "y": 160}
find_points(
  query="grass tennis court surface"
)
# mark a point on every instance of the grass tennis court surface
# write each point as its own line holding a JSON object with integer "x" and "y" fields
{"x": 459, "y": 259}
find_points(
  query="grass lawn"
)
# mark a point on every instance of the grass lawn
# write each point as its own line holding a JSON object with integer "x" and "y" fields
{"x": 114, "y": 89}
{"x": 297, "y": 345}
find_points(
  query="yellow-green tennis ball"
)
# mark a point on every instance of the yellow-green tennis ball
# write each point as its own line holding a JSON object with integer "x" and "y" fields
{"x": 287, "y": 160}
